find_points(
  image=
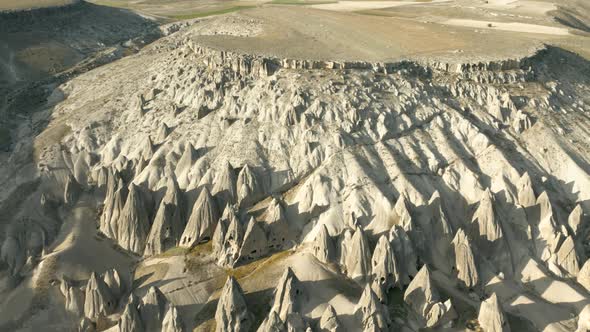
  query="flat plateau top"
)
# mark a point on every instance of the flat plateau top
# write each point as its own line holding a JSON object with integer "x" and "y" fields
{"x": 14, "y": 5}
{"x": 322, "y": 32}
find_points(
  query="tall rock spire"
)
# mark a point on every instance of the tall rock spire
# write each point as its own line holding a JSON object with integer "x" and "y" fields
{"x": 232, "y": 313}
{"x": 323, "y": 247}
{"x": 202, "y": 221}
{"x": 134, "y": 225}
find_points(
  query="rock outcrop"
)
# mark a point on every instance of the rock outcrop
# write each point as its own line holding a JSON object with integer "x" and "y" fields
{"x": 130, "y": 320}
{"x": 288, "y": 295}
{"x": 134, "y": 224}
{"x": 384, "y": 267}
{"x": 329, "y": 321}
{"x": 98, "y": 298}
{"x": 202, "y": 221}
{"x": 224, "y": 185}
{"x": 232, "y": 310}
{"x": 248, "y": 187}
{"x": 323, "y": 248}
{"x": 491, "y": 316}
{"x": 567, "y": 257}
{"x": 357, "y": 263}
{"x": 172, "y": 321}
{"x": 152, "y": 309}
{"x": 228, "y": 251}
{"x": 422, "y": 296}
{"x": 487, "y": 229}
{"x": 254, "y": 244}
{"x": 272, "y": 323}
{"x": 277, "y": 227}
{"x": 403, "y": 250}
{"x": 371, "y": 312}
{"x": 465, "y": 264}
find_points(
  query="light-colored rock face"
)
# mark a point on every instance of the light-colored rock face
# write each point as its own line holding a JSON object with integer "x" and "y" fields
{"x": 488, "y": 229}
{"x": 526, "y": 194}
{"x": 567, "y": 257}
{"x": 372, "y": 313}
{"x": 288, "y": 295}
{"x": 248, "y": 187}
{"x": 422, "y": 296}
{"x": 172, "y": 321}
{"x": 74, "y": 298}
{"x": 272, "y": 323}
{"x": 296, "y": 323}
{"x": 384, "y": 267}
{"x": 329, "y": 321}
{"x": 202, "y": 221}
{"x": 98, "y": 298}
{"x": 133, "y": 223}
{"x": 152, "y": 309}
{"x": 491, "y": 316}
{"x": 403, "y": 250}
{"x": 228, "y": 252}
{"x": 224, "y": 184}
{"x": 277, "y": 227}
{"x": 323, "y": 247}
{"x": 583, "y": 277}
{"x": 358, "y": 257}
{"x": 254, "y": 244}
{"x": 465, "y": 263}
{"x": 584, "y": 320}
{"x": 232, "y": 310}
{"x": 130, "y": 320}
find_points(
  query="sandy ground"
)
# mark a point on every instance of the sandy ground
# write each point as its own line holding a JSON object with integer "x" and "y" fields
{"x": 350, "y": 6}
{"x": 514, "y": 27}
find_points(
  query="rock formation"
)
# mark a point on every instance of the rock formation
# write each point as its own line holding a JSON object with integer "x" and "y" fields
{"x": 384, "y": 267}
{"x": 248, "y": 187}
{"x": 424, "y": 299}
{"x": 403, "y": 250}
{"x": 358, "y": 257}
{"x": 323, "y": 247}
{"x": 152, "y": 309}
{"x": 130, "y": 320}
{"x": 228, "y": 251}
{"x": 583, "y": 277}
{"x": 329, "y": 321}
{"x": 465, "y": 264}
{"x": 272, "y": 323}
{"x": 232, "y": 311}
{"x": 98, "y": 298}
{"x": 133, "y": 224}
{"x": 117, "y": 286}
{"x": 254, "y": 244}
{"x": 172, "y": 322}
{"x": 277, "y": 228}
{"x": 74, "y": 298}
{"x": 202, "y": 221}
{"x": 371, "y": 312}
{"x": 526, "y": 194}
{"x": 567, "y": 257}
{"x": 288, "y": 296}
{"x": 487, "y": 225}
{"x": 224, "y": 185}
{"x": 491, "y": 316}
{"x": 72, "y": 190}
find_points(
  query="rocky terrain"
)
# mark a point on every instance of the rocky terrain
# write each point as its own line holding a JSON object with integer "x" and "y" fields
{"x": 224, "y": 178}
